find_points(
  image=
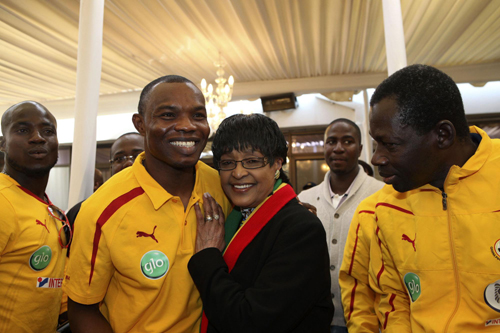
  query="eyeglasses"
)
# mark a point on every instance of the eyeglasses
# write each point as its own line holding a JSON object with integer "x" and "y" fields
{"x": 123, "y": 159}
{"x": 64, "y": 240}
{"x": 247, "y": 163}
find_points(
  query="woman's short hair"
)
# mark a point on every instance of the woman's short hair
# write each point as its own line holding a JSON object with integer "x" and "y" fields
{"x": 255, "y": 131}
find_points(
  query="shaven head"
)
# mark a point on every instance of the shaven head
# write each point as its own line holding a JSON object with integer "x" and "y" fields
{"x": 7, "y": 116}
{"x": 29, "y": 140}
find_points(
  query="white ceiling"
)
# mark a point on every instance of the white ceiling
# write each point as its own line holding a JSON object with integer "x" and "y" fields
{"x": 271, "y": 46}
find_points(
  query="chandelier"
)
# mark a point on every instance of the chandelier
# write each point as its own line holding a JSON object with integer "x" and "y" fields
{"x": 216, "y": 100}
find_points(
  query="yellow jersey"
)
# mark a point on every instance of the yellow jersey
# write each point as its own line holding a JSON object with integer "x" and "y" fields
{"x": 131, "y": 246}
{"x": 31, "y": 261}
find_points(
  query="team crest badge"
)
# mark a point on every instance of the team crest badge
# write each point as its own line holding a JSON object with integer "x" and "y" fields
{"x": 495, "y": 250}
{"x": 412, "y": 283}
{"x": 492, "y": 295}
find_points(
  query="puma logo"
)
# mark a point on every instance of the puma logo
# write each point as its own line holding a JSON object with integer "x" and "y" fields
{"x": 144, "y": 234}
{"x": 44, "y": 225}
{"x": 408, "y": 239}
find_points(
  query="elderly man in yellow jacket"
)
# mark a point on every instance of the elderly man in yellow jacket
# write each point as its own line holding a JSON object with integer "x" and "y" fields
{"x": 425, "y": 252}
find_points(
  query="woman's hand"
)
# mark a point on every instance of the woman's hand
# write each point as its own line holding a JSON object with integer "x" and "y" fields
{"x": 310, "y": 207}
{"x": 210, "y": 231}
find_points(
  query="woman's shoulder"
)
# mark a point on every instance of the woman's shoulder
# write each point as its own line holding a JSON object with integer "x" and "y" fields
{"x": 293, "y": 214}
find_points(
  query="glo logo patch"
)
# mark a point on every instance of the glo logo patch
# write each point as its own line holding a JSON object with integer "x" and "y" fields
{"x": 40, "y": 259}
{"x": 492, "y": 295}
{"x": 154, "y": 264}
{"x": 412, "y": 282}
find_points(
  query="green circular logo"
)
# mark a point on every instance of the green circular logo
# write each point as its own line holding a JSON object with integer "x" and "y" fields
{"x": 154, "y": 264}
{"x": 412, "y": 282}
{"x": 41, "y": 258}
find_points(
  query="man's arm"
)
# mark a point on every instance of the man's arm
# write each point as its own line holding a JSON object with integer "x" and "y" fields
{"x": 358, "y": 298}
{"x": 394, "y": 303}
{"x": 87, "y": 318}
{"x": 8, "y": 223}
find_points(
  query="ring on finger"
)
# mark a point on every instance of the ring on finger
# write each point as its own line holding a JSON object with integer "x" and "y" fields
{"x": 208, "y": 218}
{"x": 216, "y": 216}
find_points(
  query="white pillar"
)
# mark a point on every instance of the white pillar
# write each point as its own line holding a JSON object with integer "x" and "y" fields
{"x": 394, "y": 35}
{"x": 88, "y": 78}
{"x": 367, "y": 140}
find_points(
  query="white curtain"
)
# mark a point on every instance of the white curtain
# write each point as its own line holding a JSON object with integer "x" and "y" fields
{"x": 58, "y": 187}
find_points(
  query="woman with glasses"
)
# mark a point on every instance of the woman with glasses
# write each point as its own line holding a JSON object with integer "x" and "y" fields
{"x": 265, "y": 267}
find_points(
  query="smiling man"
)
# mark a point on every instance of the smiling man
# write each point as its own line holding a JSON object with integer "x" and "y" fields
{"x": 128, "y": 264}
{"x": 427, "y": 244}
{"x": 32, "y": 241}
{"x": 336, "y": 198}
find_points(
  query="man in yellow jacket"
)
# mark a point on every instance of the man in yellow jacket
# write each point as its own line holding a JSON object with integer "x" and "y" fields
{"x": 425, "y": 252}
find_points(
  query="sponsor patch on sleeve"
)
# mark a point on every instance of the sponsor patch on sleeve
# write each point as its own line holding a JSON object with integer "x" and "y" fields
{"x": 46, "y": 282}
{"x": 492, "y": 322}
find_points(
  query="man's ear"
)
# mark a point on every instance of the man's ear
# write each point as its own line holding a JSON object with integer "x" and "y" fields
{"x": 445, "y": 133}
{"x": 2, "y": 143}
{"x": 138, "y": 120}
{"x": 360, "y": 150}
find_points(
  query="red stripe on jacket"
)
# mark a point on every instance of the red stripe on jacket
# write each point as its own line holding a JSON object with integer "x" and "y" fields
{"x": 351, "y": 306}
{"x": 105, "y": 215}
{"x": 391, "y": 302}
{"x": 382, "y": 267}
{"x": 353, "y": 292}
{"x": 394, "y": 207}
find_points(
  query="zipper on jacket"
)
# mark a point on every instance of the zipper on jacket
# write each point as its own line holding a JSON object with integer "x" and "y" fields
{"x": 445, "y": 202}
{"x": 455, "y": 265}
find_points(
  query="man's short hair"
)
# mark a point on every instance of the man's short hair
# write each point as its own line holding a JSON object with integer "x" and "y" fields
{"x": 425, "y": 96}
{"x": 118, "y": 138}
{"x": 143, "y": 100}
{"x": 129, "y": 133}
{"x": 349, "y": 122}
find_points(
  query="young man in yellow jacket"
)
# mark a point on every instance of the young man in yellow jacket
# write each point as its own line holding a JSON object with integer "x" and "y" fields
{"x": 428, "y": 253}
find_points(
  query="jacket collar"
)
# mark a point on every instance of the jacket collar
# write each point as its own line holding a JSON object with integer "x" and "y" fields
{"x": 156, "y": 193}
{"x": 358, "y": 181}
{"x": 474, "y": 163}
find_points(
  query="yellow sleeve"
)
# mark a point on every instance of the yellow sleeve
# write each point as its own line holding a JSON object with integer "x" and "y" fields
{"x": 394, "y": 303}
{"x": 90, "y": 267}
{"x": 358, "y": 298}
{"x": 8, "y": 223}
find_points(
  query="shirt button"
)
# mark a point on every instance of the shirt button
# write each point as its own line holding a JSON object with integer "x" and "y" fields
{"x": 333, "y": 295}
{"x": 332, "y": 267}
{"x": 317, "y": 199}
{"x": 334, "y": 241}
{"x": 336, "y": 215}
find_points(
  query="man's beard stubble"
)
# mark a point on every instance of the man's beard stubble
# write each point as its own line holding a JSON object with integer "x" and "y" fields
{"x": 30, "y": 172}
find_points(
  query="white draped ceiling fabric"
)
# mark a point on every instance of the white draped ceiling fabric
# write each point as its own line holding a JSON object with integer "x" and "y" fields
{"x": 271, "y": 46}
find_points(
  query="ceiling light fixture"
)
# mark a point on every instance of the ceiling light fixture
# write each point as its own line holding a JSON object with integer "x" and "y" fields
{"x": 216, "y": 100}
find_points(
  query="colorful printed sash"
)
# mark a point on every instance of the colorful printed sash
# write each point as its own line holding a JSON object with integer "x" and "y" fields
{"x": 256, "y": 221}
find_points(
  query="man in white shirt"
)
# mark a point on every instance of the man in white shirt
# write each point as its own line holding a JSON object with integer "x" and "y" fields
{"x": 338, "y": 196}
